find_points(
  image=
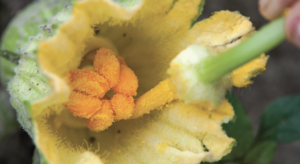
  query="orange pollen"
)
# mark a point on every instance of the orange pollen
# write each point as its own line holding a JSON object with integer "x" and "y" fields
{"x": 88, "y": 98}
{"x": 107, "y": 65}
{"x": 102, "y": 119}
{"x": 88, "y": 81}
{"x": 82, "y": 105}
{"x": 122, "y": 106}
{"x": 128, "y": 82}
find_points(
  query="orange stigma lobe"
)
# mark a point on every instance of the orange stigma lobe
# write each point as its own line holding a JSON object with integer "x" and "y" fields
{"x": 122, "y": 106}
{"x": 82, "y": 105}
{"x": 88, "y": 81}
{"x": 107, "y": 65}
{"x": 128, "y": 82}
{"x": 102, "y": 119}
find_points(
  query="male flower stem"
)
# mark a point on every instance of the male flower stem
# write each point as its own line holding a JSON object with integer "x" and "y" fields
{"x": 213, "y": 68}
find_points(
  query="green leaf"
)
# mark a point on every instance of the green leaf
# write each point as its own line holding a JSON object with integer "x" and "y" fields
{"x": 281, "y": 120}
{"x": 262, "y": 153}
{"x": 240, "y": 130}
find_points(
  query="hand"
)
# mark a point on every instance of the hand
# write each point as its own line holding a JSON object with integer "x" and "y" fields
{"x": 272, "y": 9}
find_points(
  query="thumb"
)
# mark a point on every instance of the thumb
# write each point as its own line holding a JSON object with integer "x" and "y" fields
{"x": 292, "y": 24}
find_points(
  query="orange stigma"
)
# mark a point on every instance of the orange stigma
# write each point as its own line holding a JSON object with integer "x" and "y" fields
{"x": 89, "y": 87}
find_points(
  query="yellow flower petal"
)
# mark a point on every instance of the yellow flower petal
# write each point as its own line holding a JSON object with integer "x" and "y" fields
{"x": 221, "y": 29}
{"x": 147, "y": 37}
{"x": 224, "y": 30}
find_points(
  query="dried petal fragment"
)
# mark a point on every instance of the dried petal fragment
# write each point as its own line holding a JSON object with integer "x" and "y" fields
{"x": 102, "y": 119}
{"x": 128, "y": 82}
{"x": 122, "y": 106}
{"x": 88, "y": 81}
{"x": 82, "y": 105}
{"x": 107, "y": 65}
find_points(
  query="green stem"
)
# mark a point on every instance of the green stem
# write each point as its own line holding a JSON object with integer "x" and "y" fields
{"x": 268, "y": 37}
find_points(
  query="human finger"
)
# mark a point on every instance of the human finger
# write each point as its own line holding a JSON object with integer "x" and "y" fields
{"x": 272, "y": 9}
{"x": 292, "y": 24}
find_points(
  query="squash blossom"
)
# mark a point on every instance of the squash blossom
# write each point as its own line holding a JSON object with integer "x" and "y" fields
{"x": 92, "y": 85}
